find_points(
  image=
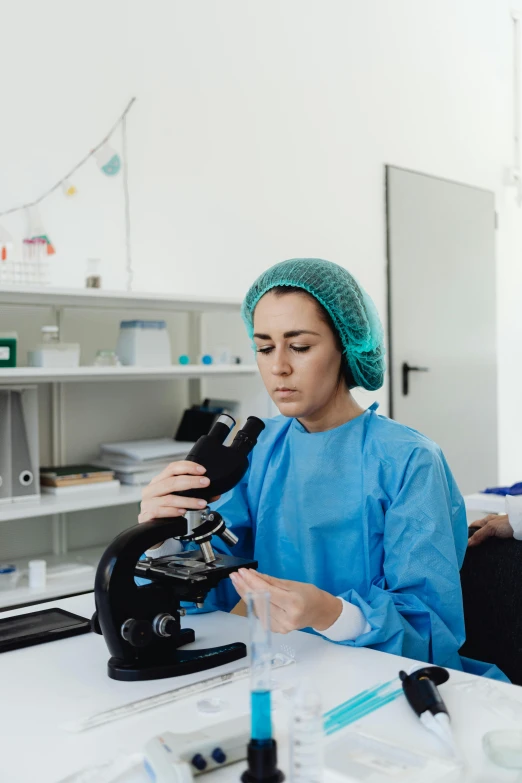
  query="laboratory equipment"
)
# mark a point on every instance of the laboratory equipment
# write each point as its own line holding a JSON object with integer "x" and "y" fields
{"x": 504, "y": 747}
{"x": 364, "y": 703}
{"x": 9, "y": 575}
{"x": 170, "y": 697}
{"x": 141, "y": 623}
{"x": 8, "y": 349}
{"x": 37, "y": 574}
{"x": 306, "y": 736}
{"x": 420, "y": 689}
{"x": 144, "y": 344}
{"x": 106, "y": 358}
{"x": 200, "y": 751}
{"x": 53, "y": 353}
{"x": 358, "y": 756}
{"x": 262, "y": 748}
{"x": 93, "y": 277}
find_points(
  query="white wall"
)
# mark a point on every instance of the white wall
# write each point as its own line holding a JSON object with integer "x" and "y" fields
{"x": 260, "y": 132}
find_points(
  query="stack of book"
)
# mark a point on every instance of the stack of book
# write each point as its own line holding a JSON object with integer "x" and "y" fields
{"x": 138, "y": 462}
{"x": 77, "y": 478}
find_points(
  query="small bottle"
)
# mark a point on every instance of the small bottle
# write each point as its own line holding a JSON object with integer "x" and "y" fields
{"x": 93, "y": 278}
{"x": 306, "y": 736}
{"x": 50, "y": 335}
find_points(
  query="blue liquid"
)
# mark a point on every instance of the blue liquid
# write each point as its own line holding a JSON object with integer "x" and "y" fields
{"x": 261, "y": 720}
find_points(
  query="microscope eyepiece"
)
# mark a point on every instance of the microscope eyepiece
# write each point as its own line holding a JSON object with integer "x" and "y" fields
{"x": 247, "y": 436}
{"x": 222, "y": 427}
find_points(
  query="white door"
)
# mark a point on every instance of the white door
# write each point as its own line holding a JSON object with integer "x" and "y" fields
{"x": 442, "y": 319}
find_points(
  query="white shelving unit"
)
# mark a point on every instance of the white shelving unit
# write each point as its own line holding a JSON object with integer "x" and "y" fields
{"x": 18, "y": 375}
{"x": 55, "y": 587}
{"x": 48, "y": 505}
{"x": 59, "y": 301}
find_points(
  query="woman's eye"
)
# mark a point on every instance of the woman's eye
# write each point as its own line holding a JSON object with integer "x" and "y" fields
{"x": 267, "y": 349}
{"x": 300, "y": 348}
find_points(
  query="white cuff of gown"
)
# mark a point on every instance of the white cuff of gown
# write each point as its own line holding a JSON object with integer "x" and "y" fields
{"x": 514, "y": 512}
{"x": 350, "y": 624}
{"x": 169, "y": 547}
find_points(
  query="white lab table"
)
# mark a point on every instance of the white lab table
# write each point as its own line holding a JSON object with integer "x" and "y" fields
{"x": 45, "y": 686}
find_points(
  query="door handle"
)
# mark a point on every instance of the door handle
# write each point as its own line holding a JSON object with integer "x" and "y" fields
{"x": 406, "y": 369}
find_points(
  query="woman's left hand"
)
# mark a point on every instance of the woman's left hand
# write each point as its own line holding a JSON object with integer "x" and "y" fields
{"x": 293, "y": 605}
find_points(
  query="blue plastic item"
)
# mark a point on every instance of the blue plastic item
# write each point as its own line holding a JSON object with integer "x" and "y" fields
{"x": 514, "y": 489}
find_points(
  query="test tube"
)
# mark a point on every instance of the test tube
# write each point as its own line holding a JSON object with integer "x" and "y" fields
{"x": 262, "y": 748}
{"x": 258, "y": 605}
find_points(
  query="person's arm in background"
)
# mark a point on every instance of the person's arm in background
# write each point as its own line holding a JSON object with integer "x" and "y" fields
{"x": 500, "y": 525}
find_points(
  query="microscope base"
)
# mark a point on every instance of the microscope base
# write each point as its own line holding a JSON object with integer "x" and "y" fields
{"x": 179, "y": 661}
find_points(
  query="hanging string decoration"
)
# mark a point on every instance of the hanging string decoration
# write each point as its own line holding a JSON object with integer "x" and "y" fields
{"x": 36, "y": 244}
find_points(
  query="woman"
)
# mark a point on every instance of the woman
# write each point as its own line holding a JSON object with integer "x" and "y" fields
{"x": 355, "y": 520}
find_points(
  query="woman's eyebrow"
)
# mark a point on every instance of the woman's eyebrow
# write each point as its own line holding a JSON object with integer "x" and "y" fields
{"x": 294, "y": 333}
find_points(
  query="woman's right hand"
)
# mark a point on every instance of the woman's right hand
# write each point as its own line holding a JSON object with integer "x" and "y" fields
{"x": 158, "y": 500}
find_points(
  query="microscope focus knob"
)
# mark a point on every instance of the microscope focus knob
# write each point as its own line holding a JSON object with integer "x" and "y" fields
{"x": 138, "y": 633}
{"x": 164, "y": 625}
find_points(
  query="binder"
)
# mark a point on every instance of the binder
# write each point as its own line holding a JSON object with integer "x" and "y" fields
{"x": 19, "y": 453}
{"x": 5, "y": 446}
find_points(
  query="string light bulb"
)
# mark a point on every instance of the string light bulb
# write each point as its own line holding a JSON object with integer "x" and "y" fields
{"x": 108, "y": 160}
{"x": 68, "y": 188}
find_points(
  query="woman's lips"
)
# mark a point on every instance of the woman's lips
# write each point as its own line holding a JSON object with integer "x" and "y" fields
{"x": 285, "y": 393}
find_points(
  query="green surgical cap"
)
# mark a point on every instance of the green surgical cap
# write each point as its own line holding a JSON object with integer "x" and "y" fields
{"x": 352, "y": 311}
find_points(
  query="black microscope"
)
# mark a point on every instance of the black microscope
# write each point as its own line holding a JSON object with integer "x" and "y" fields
{"x": 141, "y": 624}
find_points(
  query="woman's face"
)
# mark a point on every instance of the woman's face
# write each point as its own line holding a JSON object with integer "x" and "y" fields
{"x": 297, "y": 354}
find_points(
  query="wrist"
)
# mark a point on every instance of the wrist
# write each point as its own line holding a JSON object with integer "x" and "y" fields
{"x": 328, "y": 610}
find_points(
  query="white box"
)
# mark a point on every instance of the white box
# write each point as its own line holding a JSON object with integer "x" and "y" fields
{"x": 144, "y": 344}
{"x": 53, "y": 356}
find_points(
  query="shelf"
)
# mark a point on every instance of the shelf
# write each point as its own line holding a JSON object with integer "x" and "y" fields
{"x": 482, "y": 501}
{"x": 99, "y": 298}
{"x": 55, "y": 587}
{"x": 14, "y": 375}
{"x": 80, "y": 501}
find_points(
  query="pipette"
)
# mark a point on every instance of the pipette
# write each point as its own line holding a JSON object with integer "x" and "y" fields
{"x": 420, "y": 689}
{"x": 117, "y": 713}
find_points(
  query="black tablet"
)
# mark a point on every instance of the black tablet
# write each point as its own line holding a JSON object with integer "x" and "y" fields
{"x": 23, "y": 630}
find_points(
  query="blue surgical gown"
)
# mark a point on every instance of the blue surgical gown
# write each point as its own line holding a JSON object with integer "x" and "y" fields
{"x": 368, "y": 511}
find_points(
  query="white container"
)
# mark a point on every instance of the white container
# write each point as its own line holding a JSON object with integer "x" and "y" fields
{"x": 37, "y": 574}
{"x": 144, "y": 343}
{"x": 54, "y": 355}
{"x": 8, "y": 576}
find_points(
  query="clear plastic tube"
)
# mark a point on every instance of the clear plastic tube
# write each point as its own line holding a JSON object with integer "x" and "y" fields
{"x": 307, "y": 736}
{"x": 258, "y": 605}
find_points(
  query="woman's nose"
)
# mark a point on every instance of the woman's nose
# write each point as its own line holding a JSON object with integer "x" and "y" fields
{"x": 280, "y": 365}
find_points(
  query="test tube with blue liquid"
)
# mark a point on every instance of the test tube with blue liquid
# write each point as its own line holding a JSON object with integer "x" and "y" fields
{"x": 262, "y": 748}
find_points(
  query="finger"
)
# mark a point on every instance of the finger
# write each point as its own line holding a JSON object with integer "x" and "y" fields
{"x": 239, "y": 585}
{"x": 163, "y": 512}
{"x": 285, "y": 584}
{"x": 279, "y": 595}
{"x": 173, "y": 501}
{"x": 481, "y": 535}
{"x": 174, "y": 484}
{"x": 180, "y": 468}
